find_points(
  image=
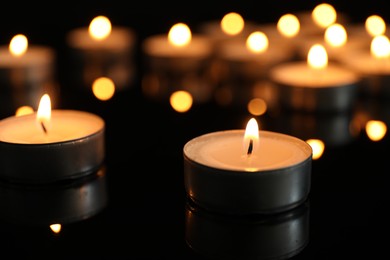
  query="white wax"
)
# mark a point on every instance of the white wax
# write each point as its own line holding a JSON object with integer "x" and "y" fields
{"x": 121, "y": 38}
{"x": 302, "y": 75}
{"x": 159, "y": 46}
{"x": 236, "y": 50}
{"x": 364, "y": 63}
{"x": 34, "y": 56}
{"x": 224, "y": 150}
{"x": 65, "y": 125}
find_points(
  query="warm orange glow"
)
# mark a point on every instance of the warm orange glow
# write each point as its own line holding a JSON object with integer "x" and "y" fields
{"x": 288, "y": 25}
{"x": 179, "y": 34}
{"x": 251, "y": 136}
{"x": 100, "y": 28}
{"x": 232, "y": 23}
{"x": 335, "y": 35}
{"x": 317, "y": 146}
{"x": 317, "y": 57}
{"x": 380, "y": 47}
{"x": 324, "y": 15}
{"x": 376, "y": 130}
{"x": 257, "y": 106}
{"x": 18, "y": 45}
{"x": 257, "y": 42}
{"x": 56, "y": 228}
{"x": 375, "y": 25}
{"x": 103, "y": 88}
{"x": 181, "y": 101}
{"x": 24, "y": 110}
{"x": 44, "y": 110}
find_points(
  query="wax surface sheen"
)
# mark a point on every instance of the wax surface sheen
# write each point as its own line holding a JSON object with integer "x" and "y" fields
{"x": 300, "y": 74}
{"x": 225, "y": 150}
{"x": 65, "y": 125}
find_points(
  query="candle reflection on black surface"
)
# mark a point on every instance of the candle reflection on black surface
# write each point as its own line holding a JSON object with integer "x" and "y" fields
{"x": 334, "y": 129}
{"x": 278, "y": 236}
{"x": 63, "y": 202}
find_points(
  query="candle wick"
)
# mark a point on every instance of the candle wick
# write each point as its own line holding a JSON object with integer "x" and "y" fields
{"x": 43, "y": 127}
{"x": 250, "y": 148}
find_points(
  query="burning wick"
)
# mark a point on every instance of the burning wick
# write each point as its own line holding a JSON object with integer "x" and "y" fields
{"x": 250, "y": 147}
{"x": 43, "y": 127}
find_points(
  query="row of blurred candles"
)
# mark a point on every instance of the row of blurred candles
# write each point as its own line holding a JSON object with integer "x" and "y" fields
{"x": 228, "y": 61}
{"x": 232, "y": 62}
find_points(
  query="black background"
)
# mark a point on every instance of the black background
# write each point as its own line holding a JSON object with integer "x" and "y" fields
{"x": 145, "y": 214}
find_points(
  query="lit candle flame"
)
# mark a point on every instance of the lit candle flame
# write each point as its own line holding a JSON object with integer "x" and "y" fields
{"x": 44, "y": 112}
{"x": 380, "y": 47}
{"x": 232, "y": 23}
{"x": 318, "y": 147}
{"x": 335, "y": 35}
{"x": 18, "y": 45}
{"x": 324, "y": 15}
{"x": 375, "y": 25}
{"x": 251, "y": 137}
{"x": 288, "y": 25}
{"x": 56, "y": 228}
{"x": 100, "y": 28}
{"x": 376, "y": 130}
{"x": 257, "y": 42}
{"x": 317, "y": 57}
{"x": 179, "y": 35}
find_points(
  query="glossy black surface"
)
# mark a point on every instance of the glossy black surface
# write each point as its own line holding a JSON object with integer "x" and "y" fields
{"x": 138, "y": 208}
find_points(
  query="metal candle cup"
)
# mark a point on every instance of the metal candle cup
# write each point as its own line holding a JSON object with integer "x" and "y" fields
{"x": 302, "y": 88}
{"x": 62, "y": 202}
{"x": 219, "y": 178}
{"x": 217, "y": 236}
{"x": 72, "y": 147}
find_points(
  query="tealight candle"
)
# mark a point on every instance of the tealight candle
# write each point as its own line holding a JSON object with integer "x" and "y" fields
{"x": 26, "y": 72}
{"x": 103, "y": 50}
{"x": 218, "y": 236}
{"x": 58, "y": 203}
{"x": 315, "y": 85}
{"x": 180, "y": 60}
{"x": 247, "y": 172}
{"x": 50, "y": 146}
{"x": 373, "y": 66}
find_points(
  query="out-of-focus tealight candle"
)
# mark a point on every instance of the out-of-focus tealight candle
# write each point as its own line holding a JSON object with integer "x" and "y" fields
{"x": 232, "y": 25}
{"x": 318, "y": 147}
{"x": 372, "y": 65}
{"x": 179, "y": 43}
{"x": 178, "y": 60}
{"x": 315, "y": 85}
{"x": 26, "y": 72}
{"x": 251, "y": 57}
{"x": 102, "y": 50}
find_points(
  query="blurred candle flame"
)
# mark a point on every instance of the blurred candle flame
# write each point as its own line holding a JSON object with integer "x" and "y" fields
{"x": 56, "y": 228}
{"x": 103, "y": 88}
{"x": 317, "y": 57}
{"x": 317, "y": 146}
{"x": 324, "y": 15}
{"x": 380, "y": 47}
{"x": 257, "y": 42}
{"x": 181, "y": 101}
{"x": 179, "y": 35}
{"x": 376, "y": 130}
{"x": 251, "y": 136}
{"x": 375, "y": 25}
{"x": 288, "y": 25}
{"x": 24, "y": 110}
{"x": 232, "y": 23}
{"x": 335, "y": 35}
{"x": 18, "y": 45}
{"x": 100, "y": 27}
